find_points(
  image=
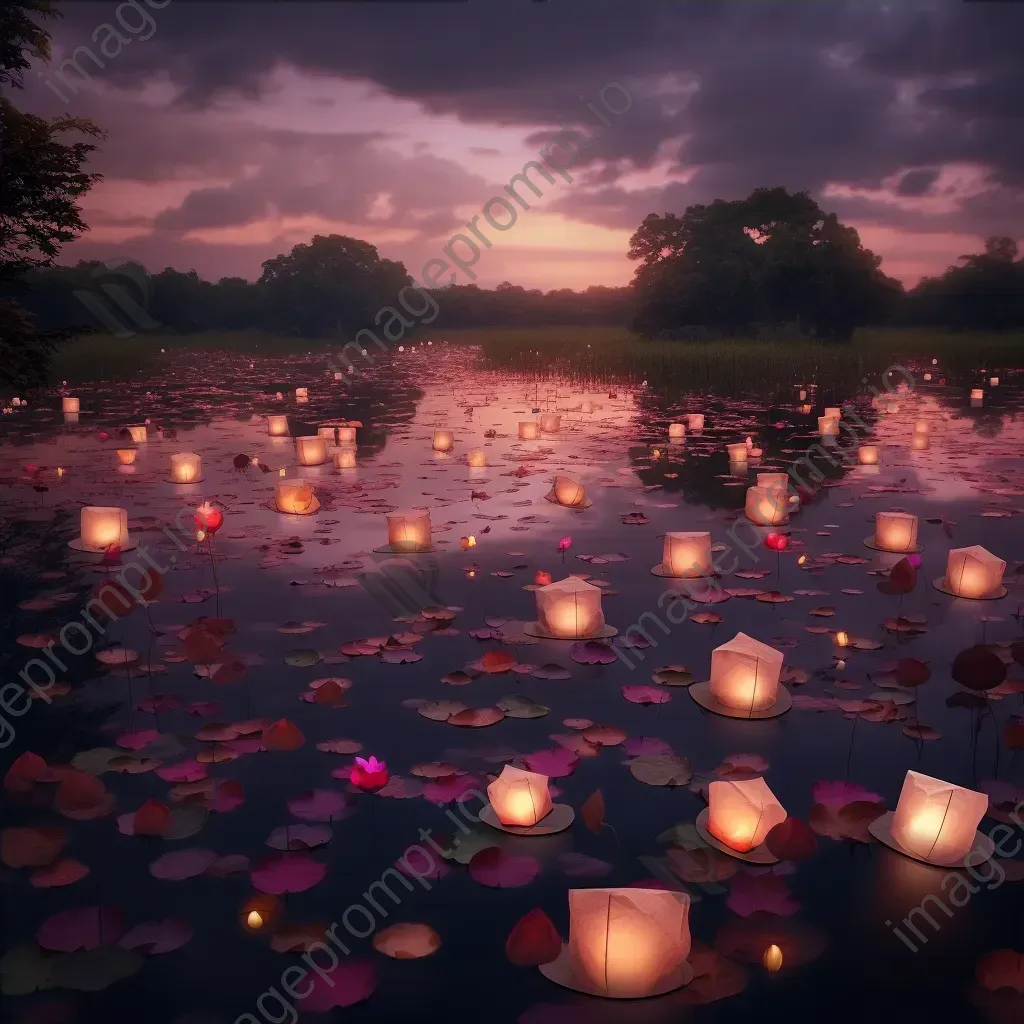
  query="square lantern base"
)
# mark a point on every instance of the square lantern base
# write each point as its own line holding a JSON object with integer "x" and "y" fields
{"x": 881, "y": 828}
{"x": 558, "y": 819}
{"x": 758, "y": 855}
{"x": 562, "y": 972}
{"x": 701, "y": 693}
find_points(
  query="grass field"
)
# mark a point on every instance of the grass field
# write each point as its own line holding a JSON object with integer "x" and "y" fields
{"x": 602, "y": 353}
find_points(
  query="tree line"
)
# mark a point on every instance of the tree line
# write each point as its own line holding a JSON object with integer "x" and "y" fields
{"x": 772, "y": 261}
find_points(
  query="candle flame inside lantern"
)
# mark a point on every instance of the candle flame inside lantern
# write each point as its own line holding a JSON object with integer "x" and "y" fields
{"x": 772, "y": 959}
{"x": 277, "y": 426}
{"x": 867, "y": 455}
{"x": 745, "y": 674}
{"x": 842, "y": 638}
{"x": 443, "y": 440}
{"x": 519, "y": 798}
{"x": 742, "y": 813}
{"x": 973, "y": 572}
{"x": 936, "y": 820}
{"x": 255, "y": 919}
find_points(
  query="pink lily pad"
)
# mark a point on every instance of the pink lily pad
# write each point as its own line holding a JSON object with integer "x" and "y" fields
{"x": 287, "y": 872}
{"x": 497, "y": 869}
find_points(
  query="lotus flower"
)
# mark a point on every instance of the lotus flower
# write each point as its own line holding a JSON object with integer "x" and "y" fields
{"x": 564, "y": 544}
{"x": 369, "y": 775}
{"x": 542, "y": 578}
{"x": 208, "y": 518}
{"x": 776, "y": 542}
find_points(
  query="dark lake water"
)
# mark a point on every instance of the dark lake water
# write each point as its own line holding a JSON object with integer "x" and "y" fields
{"x": 299, "y": 591}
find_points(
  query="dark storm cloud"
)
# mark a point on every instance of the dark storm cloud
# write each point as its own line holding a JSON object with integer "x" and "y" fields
{"x": 917, "y": 183}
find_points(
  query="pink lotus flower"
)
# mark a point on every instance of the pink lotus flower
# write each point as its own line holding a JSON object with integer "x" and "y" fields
{"x": 369, "y": 775}
{"x": 565, "y": 543}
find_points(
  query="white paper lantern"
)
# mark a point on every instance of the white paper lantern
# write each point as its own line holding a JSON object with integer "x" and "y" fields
{"x": 550, "y": 422}
{"x": 867, "y": 454}
{"x": 677, "y": 430}
{"x": 894, "y": 531}
{"x": 767, "y": 506}
{"x": 742, "y": 813}
{"x": 686, "y": 556}
{"x": 570, "y": 609}
{"x": 977, "y": 394}
{"x": 69, "y": 405}
{"x": 409, "y": 531}
{"x": 295, "y": 497}
{"x": 973, "y": 573}
{"x": 345, "y": 459}
{"x": 102, "y": 527}
{"x": 920, "y": 442}
{"x": 695, "y": 421}
{"x": 529, "y": 430}
{"x": 568, "y": 492}
{"x": 277, "y": 426}
{"x": 302, "y": 392}
{"x": 311, "y": 450}
{"x": 827, "y": 426}
{"x": 519, "y": 798}
{"x": 744, "y": 681}
{"x": 443, "y": 440}
{"x": 138, "y": 433}
{"x": 476, "y": 460}
{"x": 346, "y": 435}
{"x": 737, "y": 452}
{"x": 186, "y": 468}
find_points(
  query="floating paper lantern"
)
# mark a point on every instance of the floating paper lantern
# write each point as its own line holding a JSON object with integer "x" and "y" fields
{"x": 568, "y": 492}
{"x": 973, "y": 573}
{"x": 833, "y": 412}
{"x": 993, "y": 382}
{"x": 346, "y": 435}
{"x": 345, "y": 459}
{"x": 686, "y": 556}
{"x": 126, "y": 456}
{"x": 529, "y": 430}
{"x": 935, "y": 822}
{"x": 677, "y": 430}
{"x": 827, "y": 426}
{"x": 186, "y": 468}
{"x": 805, "y": 410}
{"x": 519, "y": 797}
{"x": 296, "y": 497}
{"x": 867, "y": 455}
{"x": 328, "y": 434}
{"x": 477, "y": 460}
{"x": 894, "y": 531}
{"x": 69, "y": 405}
{"x": 102, "y": 527}
{"x": 443, "y": 440}
{"x": 977, "y": 393}
{"x": 408, "y": 532}
{"x": 311, "y": 450}
{"x": 138, "y": 433}
{"x": 741, "y": 814}
{"x": 922, "y": 426}
{"x": 302, "y": 392}
{"x": 550, "y": 422}
{"x": 767, "y": 506}
{"x": 920, "y": 442}
{"x": 744, "y": 681}
{"x": 695, "y": 421}
{"x": 803, "y": 394}
{"x": 737, "y": 452}
{"x": 773, "y": 481}
{"x": 587, "y": 407}
{"x": 277, "y": 426}
{"x": 569, "y": 610}
{"x": 625, "y": 943}
{"x": 927, "y": 376}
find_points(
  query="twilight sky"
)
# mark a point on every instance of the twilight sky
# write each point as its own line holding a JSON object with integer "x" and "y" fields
{"x": 238, "y": 129}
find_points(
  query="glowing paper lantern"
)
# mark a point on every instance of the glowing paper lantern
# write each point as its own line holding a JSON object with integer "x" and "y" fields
{"x": 803, "y": 394}
{"x": 894, "y": 531}
{"x": 302, "y": 392}
{"x": 677, "y": 430}
{"x": 529, "y": 430}
{"x": 101, "y": 527}
{"x": 920, "y": 442}
{"x": 126, "y": 456}
{"x": 138, "y": 433}
{"x": 346, "y": 435}
{"x": 827, "y": 426}
{"x": 744, "y": 681}
{"x": 277, "y": 426}
{"x": 737, "y": 452}
{"x": 550, "y": 422}
{"x": 69, "y": 405}
{"x": 477, "y": 460}
{"x": 686, "y": 556}
{"x": 833, "y": 412}
{"x": 568, "y": 492}
{"x": 587, "y": 407}
{"x": 311, "y": 450}
{"x": 922, "y": 426}
{"x": 741, "y": 814}
{"x": 519, "y": 797}
{"x": 345, "y": 459}
{"x": 328, "y": 433}
{"x": 935, "y": 822}
{"x": 625, "y": 943}
{"x": 186, "y": 468}
{"x": 773, "y": 481}
{"x": 408, "y": 531}
{"x": 695, "y": 421}
{"x": 805, "y": 410}
{"x": 978, "y": 394}
{"x": 296, "y": 497}
{"x": 443, "y": 440}
{"x": 767, "y": 506}
{"x": 867, "y": 455}
{"x": 569, "y": 610}
{"x": 993, "y": 382}
{"x": 973, "y": 573}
